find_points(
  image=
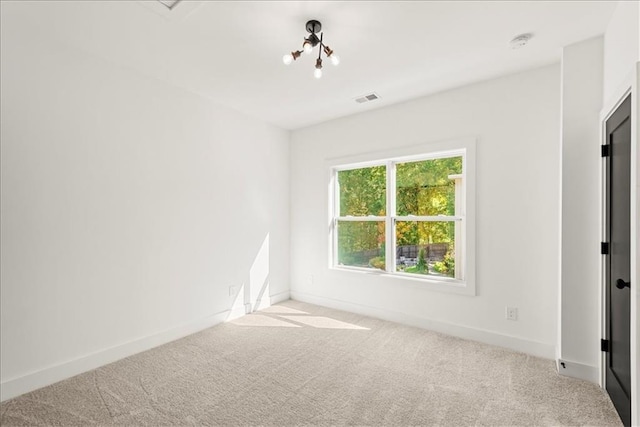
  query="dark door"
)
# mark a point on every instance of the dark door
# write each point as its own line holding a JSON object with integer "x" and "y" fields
{"x": 618, "y": 286}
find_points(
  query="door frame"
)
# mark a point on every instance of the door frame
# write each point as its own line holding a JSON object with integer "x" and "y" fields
{"x": 630, "y": 86}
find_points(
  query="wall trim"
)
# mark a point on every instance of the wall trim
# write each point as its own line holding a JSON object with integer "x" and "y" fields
{"x": 534, "y": 348}
{"x": 569, "y": 368}
{"x": 23, "y": 384}
{"x": 279, "y": 297}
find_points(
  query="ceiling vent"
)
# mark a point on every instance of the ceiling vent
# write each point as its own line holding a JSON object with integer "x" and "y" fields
{"x": 367, "y": 98}
{"x": 170, "y": 4}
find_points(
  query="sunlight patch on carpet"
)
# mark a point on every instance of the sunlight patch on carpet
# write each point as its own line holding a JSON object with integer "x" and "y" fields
{"x": 263, "y": 321}
{"x": 323, "y": 322}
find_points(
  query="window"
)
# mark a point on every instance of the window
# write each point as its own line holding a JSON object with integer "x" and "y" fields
{"x": 407, "y": 216}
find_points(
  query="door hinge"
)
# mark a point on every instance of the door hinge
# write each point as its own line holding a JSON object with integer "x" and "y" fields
{"x": 605, "y": 150}
{"x": 604, "y": 248}
{"x": 604, "y": 345}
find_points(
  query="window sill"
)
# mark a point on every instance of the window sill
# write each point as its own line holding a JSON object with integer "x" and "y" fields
{"x": 446, "y": 285}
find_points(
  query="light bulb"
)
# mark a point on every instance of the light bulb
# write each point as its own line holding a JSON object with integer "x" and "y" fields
{"x": 335, "y": 59}
{"x": 317, "y": 73}
{"x": 287, "y": 59}
{"x": 307, "y": 47}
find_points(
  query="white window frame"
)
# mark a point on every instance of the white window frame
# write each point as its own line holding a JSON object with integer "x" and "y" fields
{"x": 465, "y": 211}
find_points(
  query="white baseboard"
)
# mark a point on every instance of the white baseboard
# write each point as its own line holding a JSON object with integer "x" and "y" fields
{"x": 569, "y": 368}
{"x": 533, "y": 348}
{"x": 279, "y": 297}
{"x": 35, "y": 380}
{"x": 235, "y": 312}
{"x": 266, "y": 302}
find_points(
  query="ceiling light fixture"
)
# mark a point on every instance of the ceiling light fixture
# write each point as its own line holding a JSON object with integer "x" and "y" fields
{"x": 313, "y": 28}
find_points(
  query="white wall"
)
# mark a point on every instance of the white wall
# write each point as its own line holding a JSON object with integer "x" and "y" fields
{"x": 128, "y": 209}
{"x": 621, "y": 47}
{"x": 516, "y": 120}
{"x": 582, "y": 79}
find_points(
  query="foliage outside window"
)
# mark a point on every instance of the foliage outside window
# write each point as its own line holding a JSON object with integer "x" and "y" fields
{"x": 402, "y": 216}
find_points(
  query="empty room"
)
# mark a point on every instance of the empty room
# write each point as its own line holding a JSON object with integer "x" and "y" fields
{"x": 279, "y": 213}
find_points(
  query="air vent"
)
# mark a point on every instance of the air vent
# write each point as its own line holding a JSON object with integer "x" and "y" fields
{"x": 169, "y": 3}
{"x": 367, "y": 98}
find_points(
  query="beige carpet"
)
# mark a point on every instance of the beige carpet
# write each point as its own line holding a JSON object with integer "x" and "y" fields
{"x": 299, "y": 364}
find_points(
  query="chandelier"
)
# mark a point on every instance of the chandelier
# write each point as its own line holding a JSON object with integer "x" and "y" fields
{"x": 313, "y": 28}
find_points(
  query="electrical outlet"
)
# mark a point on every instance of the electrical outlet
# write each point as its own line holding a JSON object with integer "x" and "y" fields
{"x": 233, "y": 290}
{"x": 512, "y": 313}
{"x": 310, "y": 280}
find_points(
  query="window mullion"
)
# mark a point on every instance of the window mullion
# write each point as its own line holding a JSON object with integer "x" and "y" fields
{"x": 437, "y": 218}
{"x": 334, "y": 215}
{"x": 370, "y": 218}
{"x": 390, "y": 230}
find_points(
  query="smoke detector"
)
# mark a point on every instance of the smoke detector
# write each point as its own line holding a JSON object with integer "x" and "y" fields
{"x": 520, "y": 41}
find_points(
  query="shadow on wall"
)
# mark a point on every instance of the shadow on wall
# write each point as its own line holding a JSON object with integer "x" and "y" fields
{"x": 254, "y": 295}
{"x": 258, "y": 283}
{"x": 253, "y": 292}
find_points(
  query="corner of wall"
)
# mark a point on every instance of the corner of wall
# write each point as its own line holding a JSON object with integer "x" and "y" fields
{"x": 578, "y": 370}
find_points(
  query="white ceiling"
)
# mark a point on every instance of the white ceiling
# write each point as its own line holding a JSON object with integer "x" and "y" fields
{"x": 231, "y": 51}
